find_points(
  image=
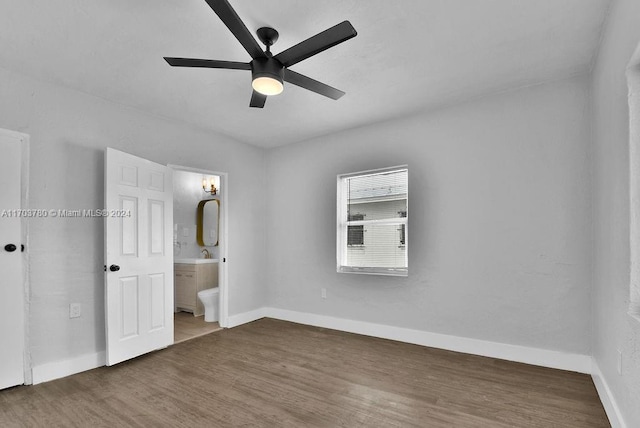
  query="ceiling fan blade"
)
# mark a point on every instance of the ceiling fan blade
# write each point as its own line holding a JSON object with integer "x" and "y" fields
{"x": 257, "y": 100}
{"x": 207, "y": 63}
{"x": 316, "y": 44}
{"x": 312, "y": 85}
{"x": 230, "y": 18}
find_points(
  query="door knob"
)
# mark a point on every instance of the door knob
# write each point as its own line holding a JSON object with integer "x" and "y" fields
{"x": 10, "y": 248}
{"x": 114, "y": 268}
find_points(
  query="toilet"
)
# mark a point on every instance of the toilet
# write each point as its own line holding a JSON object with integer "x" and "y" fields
{"x": 209, "y": 299}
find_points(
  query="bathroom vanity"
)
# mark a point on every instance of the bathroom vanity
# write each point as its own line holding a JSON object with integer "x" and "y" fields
{"x": 191, "y": 276}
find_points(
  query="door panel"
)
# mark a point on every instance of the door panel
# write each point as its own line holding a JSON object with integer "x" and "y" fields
{"x": 129, "y": 226}
{"x": 158, "y": 297}
{"x": 156, "y": 228}
{"x": 11, "y": 282}
{"x": 129, "y": 309}
{"x": 138, "y": 295}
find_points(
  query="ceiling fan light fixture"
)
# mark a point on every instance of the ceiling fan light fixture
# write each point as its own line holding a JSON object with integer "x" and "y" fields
{"x": 267, "y": 85}
{"x": 267, "y": 76}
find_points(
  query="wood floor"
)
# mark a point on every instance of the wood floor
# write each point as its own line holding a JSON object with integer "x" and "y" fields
{"x": 186, "y": 326}
{"x": 277, "y": 374}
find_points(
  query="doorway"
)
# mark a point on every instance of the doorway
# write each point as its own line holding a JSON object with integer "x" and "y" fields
{"x": 199, "y": 244}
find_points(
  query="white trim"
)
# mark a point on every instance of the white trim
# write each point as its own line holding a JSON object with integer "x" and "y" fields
{"x": 374, "y": 171}
{"x": 223, "y": 272}
{"x": 633, "y": 86}
{"x": 606, "y": 397}
{"x": 14, "y": 134}
{"x": 538, "y": 357}
{"x": 383, "y": 221}
{"x": 246, "y": 317}
{"x": 59, "y": 369}
{"x": 26, "y": 255}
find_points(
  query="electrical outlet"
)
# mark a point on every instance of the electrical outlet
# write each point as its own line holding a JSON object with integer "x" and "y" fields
{"x": 619, "y": 362}
{"x": 323, "y": 293}
{"x": 75, "y": 310}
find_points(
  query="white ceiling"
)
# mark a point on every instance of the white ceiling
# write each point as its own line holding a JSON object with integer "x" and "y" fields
{"x": 409, "y": 55}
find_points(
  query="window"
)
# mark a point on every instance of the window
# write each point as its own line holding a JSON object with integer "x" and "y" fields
{"x": 372, "y": 222}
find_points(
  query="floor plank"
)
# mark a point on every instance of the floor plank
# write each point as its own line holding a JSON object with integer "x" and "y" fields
{"x": 272, "y": 373}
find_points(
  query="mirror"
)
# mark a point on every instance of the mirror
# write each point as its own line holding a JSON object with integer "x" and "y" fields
{"x": 207, "y": 230}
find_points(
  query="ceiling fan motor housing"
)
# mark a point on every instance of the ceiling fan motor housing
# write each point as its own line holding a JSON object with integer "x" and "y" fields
{"x": 267, "y": 67}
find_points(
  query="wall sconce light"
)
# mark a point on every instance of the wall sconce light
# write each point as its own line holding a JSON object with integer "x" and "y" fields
{"x": 210, "y": 185}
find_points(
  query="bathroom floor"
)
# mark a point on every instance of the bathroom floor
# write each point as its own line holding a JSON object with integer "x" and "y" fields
{"x": 186, "y": 326}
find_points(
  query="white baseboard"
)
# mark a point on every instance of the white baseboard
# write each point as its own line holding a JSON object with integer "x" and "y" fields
{"x": 245, "y": 317}
{"x": 538, "y": 357}
{"x": 58, "y": 369}
{"x": 608, "y": 402}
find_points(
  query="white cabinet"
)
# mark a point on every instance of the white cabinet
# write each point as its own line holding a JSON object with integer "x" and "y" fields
{"x": 191, "y": 278}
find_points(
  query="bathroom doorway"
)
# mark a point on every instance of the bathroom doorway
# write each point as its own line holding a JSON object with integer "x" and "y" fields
{"x": 199, "y": 245}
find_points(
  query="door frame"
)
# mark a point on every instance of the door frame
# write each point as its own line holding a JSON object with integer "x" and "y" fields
{"x": 223, "y": 283}
{"x": 24, "y": 225}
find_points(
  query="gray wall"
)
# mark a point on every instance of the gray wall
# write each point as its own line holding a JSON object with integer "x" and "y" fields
{"x": 69, "y": 133}
{"x": 499, "y": 219}
{"x": 614, "y": 330}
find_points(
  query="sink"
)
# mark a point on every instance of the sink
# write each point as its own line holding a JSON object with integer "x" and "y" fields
{"x": 195, "y": 261}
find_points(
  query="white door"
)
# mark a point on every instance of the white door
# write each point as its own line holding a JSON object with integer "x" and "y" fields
{"x": 11, "y": 283}
{"x": 138, "y": 256}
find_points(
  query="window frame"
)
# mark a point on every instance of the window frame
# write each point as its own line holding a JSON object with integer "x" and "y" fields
{"x": 343, "y": 225}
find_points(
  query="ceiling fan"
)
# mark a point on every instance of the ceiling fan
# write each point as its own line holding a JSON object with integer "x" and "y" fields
{"x": 268, "y": 71}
